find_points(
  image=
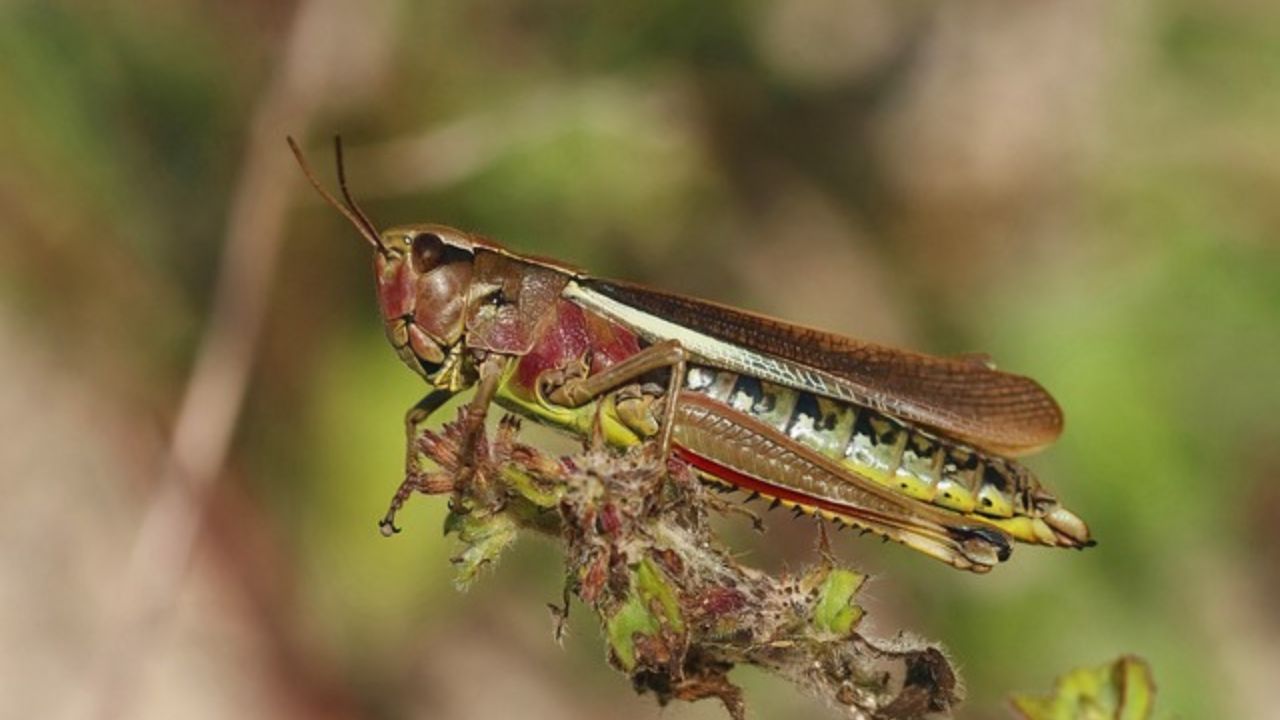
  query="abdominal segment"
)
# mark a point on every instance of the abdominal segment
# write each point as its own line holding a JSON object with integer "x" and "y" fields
{"x": 906, "y": 460}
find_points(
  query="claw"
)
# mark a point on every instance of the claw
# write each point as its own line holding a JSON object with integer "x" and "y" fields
{"x": 387, "y": 526}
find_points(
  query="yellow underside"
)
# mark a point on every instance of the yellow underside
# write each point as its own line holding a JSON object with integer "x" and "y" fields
{"x": 579, "y": 421}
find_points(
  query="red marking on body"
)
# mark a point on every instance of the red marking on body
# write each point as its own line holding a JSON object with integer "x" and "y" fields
{"x": 573, "y": 335}
{"x": 750, "y": 484}
{"x": 611, "y": 343}
{"x": 395, "y": 289}
{"x": 563, "y": 341}
{"x": 505, "y": 334}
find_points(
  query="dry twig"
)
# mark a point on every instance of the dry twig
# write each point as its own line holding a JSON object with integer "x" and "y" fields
{"x": 677, "y": 610}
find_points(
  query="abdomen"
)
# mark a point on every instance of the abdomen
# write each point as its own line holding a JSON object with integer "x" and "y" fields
{"x": 903, "y": 459}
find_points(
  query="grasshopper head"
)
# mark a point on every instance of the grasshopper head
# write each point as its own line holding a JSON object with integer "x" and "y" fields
{"x": 424, "y": 279}
{"x": 443, "y": 291}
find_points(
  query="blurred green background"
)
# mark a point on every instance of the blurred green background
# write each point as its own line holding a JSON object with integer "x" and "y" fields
{"x": 1087, "y": 190}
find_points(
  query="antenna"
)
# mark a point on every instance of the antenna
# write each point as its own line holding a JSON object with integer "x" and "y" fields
{"x": 350, "y": 210}
{"x": 346, "y": 194}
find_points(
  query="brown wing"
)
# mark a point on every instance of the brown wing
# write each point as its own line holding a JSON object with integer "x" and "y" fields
{"x": 963, "y": 397}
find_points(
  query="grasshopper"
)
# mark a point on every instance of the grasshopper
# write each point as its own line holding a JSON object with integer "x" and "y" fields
{"x": 915, "y": 448}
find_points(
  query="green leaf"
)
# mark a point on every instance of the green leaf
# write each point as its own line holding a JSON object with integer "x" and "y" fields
{"x": 651, "y": 611}
{"x": 1121, "y": 690}
{"x": 484, "y": 536}
{"x": 836, "y": 613}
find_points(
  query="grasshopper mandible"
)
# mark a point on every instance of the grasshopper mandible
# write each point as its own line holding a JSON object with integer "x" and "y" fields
{"x": 914, "y": 448}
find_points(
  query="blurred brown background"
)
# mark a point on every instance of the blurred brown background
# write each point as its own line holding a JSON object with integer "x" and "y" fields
{"x": 1086, "y": 190}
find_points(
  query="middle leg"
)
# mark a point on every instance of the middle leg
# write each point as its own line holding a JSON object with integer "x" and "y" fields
{"x": 578, "y": 391}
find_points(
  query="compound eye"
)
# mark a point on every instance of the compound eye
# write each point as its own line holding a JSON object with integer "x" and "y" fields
{"x": 428, "y": 249}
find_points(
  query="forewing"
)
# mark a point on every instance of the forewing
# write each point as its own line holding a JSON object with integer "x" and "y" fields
{"x": 962, "y": 397}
